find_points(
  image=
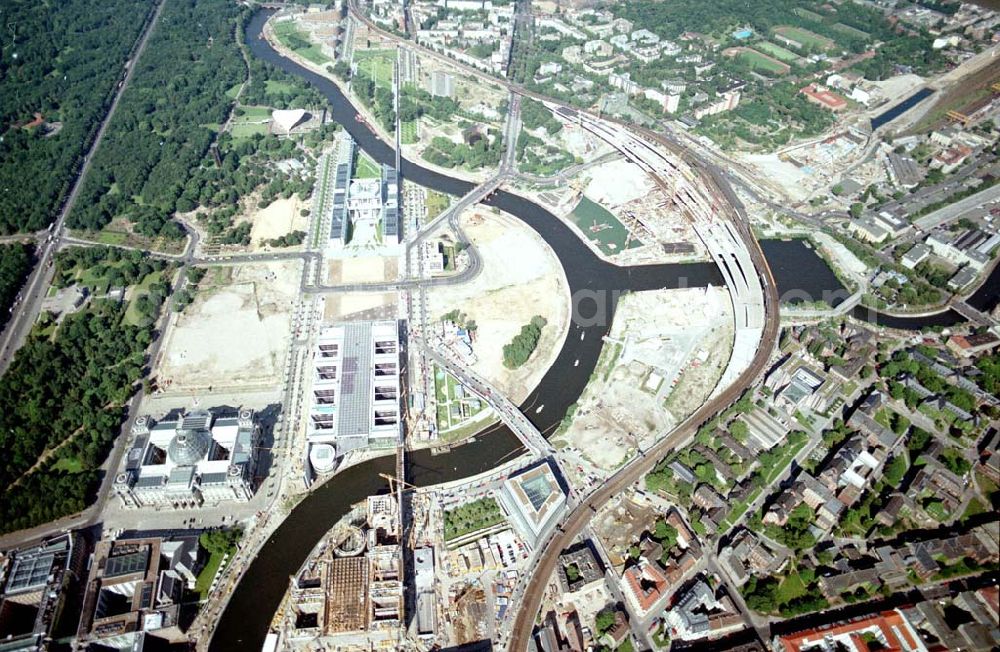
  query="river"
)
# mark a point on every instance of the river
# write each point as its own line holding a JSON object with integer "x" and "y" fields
{"x": 245, "y": 621}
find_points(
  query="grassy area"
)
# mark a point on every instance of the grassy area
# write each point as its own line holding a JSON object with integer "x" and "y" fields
{"x": 974, "y": 508}
{"x": 68, "y": 464}
{"x": 471, "y": 517}
{"x": 601, "y": 227}
{"x": 760, "y": 61}
{"x": 247, "y": 129}
{"x": 736, "y": 513}
{"x": 366, "y": 168}
{"x": 376, "y": 65}
{"x": 254, "y": 113}
{"x": 294, "y": 40}
{"x": 132, "y": 315}
{"x": 436, "y": 202}
{"x": 853, "y": 31}
{"x": 467, "y": 429}
{"x": 207, "y": 574}
{"x": 234, "y": 90}
{"x": 776, "y": 51}
{"x": 273, "y": 86}
{"x": 790, "y": 588}
{"x": 805, "y": 37}
{"x": 808, "y": 15}
{"x": 408, "y": 132}
{"x": 788, "y": 454}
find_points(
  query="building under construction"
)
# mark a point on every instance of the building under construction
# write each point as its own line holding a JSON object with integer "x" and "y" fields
{"x": 350, "y": 590}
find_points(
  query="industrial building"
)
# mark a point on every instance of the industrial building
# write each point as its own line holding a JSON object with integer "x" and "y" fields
{"x": 355, "y": 391}
{"x": 533, "y": 501}
{"x": 194, "y": 459}
{"x": 135, "y": 591}
{"x": 34, "y": 583}
{"x": 370, "y": 205}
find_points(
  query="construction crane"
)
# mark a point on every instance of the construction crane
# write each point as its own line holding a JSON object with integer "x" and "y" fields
{"x": 393, "y": 480}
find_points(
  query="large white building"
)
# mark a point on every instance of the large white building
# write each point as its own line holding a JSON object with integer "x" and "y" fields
{"x": 533, "y": 501}
{"x": 372, "y": 204}
{"x": 355, "y": 391}
{"x": 186, "y": 462}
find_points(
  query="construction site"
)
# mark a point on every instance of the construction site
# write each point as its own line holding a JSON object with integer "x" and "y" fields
{"x": 235, "y": 333}
{"x": 349, "y": 592}
{"x": 502, "y": 298}
{"x": 662, "y": 358}
{"x": 618, "y": 221}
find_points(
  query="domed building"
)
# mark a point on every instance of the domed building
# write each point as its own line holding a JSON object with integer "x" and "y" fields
{"x": 185, "y": 462}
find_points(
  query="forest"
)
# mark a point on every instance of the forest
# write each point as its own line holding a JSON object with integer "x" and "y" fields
{"x": 65, "y": 394}
{"x": 166, "y": 119}
{"x": 61, "y": 60}
{"x": 523, "y": 345}
{"x": 15, "y": 265}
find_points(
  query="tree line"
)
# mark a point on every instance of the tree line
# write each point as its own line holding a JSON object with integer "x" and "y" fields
{"x": 62, "y": 61}
{"x": 15, "y": 265}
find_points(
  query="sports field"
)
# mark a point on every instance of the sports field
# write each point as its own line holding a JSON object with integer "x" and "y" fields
{"x": 776, "y": 51}
{"x": 763, "y": 62}
{"x": 805, "y": 37}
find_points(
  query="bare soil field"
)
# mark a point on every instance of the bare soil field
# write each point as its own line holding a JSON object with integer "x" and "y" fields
{"x": 504, "y": 297}
{"x": 362, "y": 269}
{"x": 356, "y": 305}
{"x": 664, "y": 345}
{"x": 280, "y": 218}
{"x": 235, "y": 333}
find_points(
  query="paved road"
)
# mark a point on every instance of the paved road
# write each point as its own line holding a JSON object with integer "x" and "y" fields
{"x": 34, "y": 290}
{"x": 955, "y": 210}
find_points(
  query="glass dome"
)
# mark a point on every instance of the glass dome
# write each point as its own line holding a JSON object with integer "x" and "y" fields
{"x": 189, "y": 447}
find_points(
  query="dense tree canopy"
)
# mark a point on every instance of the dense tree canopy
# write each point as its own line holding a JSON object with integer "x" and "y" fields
{"x": 166, "y": 119}
{"x": 15, "y": 264}
{"x": 61, "y": 60}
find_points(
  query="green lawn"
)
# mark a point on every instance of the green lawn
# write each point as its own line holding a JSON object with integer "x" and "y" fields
{"x": 297, "y": 42}
{"x": 760, "y": 61}
{"x": 233, "y": 90}
{"x": 376, "y": 65}
{"x": 247, "y": 129}
{"x": 408, "y": 132}
{"x": 366, "y": 168}
{"x": 251, "y": 113}
{"x": 68, "y": 464}
{"x": 131, "y": 315}
{"x": 207, "y": 574}
{"x": 805, "y": 37}
{"x": 776, "y": 51}
{"x": 853, "y": 31}
{"x": 601, "y": 227}
{"x": 273, "y": 86}
{"x": 788, "y": 454}
{"x": 436, "y": 202}
{"x": 790, "y": 588}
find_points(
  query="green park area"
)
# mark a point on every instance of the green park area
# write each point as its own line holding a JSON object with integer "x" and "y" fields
{"x": 471, "y": 517}
{"x": 297, "y": 42}
{"x": 408, "y": 132}
{"x": 602, "y": 227}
